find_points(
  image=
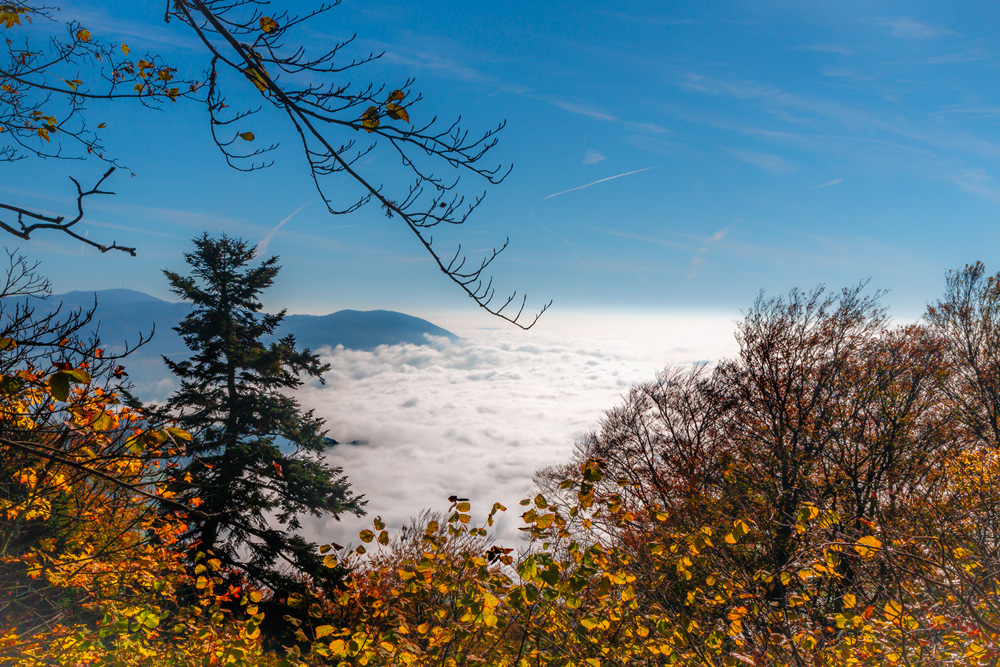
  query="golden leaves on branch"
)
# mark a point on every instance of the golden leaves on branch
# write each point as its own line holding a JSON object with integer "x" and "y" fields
{"x": 396, "y": 112}
{"x": 101, "y": 543}
{"x": 868, "y": 546}
{"x": 268, "y": 24}
{"x": 10, "y": 15}
{"x": 257, "y": 75}
{"x": 371, "y": 118}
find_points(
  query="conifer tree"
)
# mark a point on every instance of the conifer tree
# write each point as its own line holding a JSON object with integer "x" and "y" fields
{"x": 256, "y": 460}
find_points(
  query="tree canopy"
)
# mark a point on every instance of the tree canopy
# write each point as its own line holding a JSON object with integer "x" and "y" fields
{"x": 826, "y": 497}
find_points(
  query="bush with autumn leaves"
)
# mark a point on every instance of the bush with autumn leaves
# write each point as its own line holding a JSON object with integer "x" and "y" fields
{"x": 827, "y": 497}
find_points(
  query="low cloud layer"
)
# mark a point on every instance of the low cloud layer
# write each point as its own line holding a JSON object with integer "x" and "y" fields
{"x": 473, "y": 418}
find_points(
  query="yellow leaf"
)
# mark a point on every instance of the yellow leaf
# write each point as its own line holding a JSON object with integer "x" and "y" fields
{"x": 893, "y": 610}
{"x": 257, "y": 76}
{"x": 849, "y": 601}
{"x": 868, "y": 545}
{"x": 975, "y": 651}
{"x": 178, "y": 433}
{"x": 11, "y": 16}
{"x": 395, "y": 96}
{"x": 396, "y": 112}
{"x": 267, "y": 24}
{"x": 6, "y": 343}
{"x": 83, "y": 35}
{"x": 323, "y": 631}
{"x": 125, "y": 48}
{"x": 246, "y": 136}
{"x": 369, "y": 119}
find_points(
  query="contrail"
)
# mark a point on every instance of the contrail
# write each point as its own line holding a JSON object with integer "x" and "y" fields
{"x": 609, "y": 178}
{"x": 266, "y": 241}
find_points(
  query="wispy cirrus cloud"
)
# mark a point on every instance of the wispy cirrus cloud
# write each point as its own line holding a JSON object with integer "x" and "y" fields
{"x": 825, "y": 48}
{"x": 907, "y": 28}
{"x": 700, "y": 258}
{"x": 266, "y": 241}
{"x": 766, "y": 161}
{"x": 433, "y": 58}
{"x": 103, "y": 23}
{"x": 978, "y": 182}
{"x": 828, "y": 184}
{"x": 650, "y": 240}
{"x": 593, "y": 157}
{"x": 600, "y": 180}
{"x": 579, "y": 109}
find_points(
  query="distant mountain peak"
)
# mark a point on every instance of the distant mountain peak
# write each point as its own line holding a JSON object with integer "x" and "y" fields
{"x": 125, "y": 314}
{"x": 107, "y": 298}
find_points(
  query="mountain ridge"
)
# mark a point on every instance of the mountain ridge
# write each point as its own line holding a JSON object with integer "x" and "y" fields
{"x": 129, "y": 314}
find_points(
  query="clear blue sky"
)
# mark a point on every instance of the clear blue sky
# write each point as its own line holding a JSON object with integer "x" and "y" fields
{"x": 667, "y": 156}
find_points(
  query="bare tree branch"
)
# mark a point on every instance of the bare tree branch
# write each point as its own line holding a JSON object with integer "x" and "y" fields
{"x": 43, "y": 101}
{"x": 318, "y": 111}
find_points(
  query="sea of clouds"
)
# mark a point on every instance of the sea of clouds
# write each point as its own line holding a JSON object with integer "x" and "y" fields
{"x": 479, "y": 416}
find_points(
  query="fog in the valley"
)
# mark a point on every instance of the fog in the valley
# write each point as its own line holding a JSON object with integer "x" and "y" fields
{"x": 479, "y": 416}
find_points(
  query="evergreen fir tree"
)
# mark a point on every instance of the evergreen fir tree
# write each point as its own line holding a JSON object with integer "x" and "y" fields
{"x": 256, "y": 458}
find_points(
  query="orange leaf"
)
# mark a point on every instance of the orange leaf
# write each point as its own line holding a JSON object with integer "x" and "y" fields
{"x": 83, "y": 35}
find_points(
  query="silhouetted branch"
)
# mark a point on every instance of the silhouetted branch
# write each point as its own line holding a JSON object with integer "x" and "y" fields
{"x": 319, "y": 111}
{"x": 31, "y": 221}
{"x": 43, "y": 99}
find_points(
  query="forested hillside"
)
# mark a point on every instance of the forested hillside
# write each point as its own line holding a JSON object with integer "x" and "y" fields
{"x": 825, "y": 497}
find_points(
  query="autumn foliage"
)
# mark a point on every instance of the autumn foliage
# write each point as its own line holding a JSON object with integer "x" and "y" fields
{"x": 90, "y": 575}
{"x": 827, "y": 497}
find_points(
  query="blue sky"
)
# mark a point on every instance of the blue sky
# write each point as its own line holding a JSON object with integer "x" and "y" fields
{"x": 668, "y": 157}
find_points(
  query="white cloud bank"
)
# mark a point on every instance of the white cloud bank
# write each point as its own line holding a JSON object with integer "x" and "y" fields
{"x": 478, "y": 417}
